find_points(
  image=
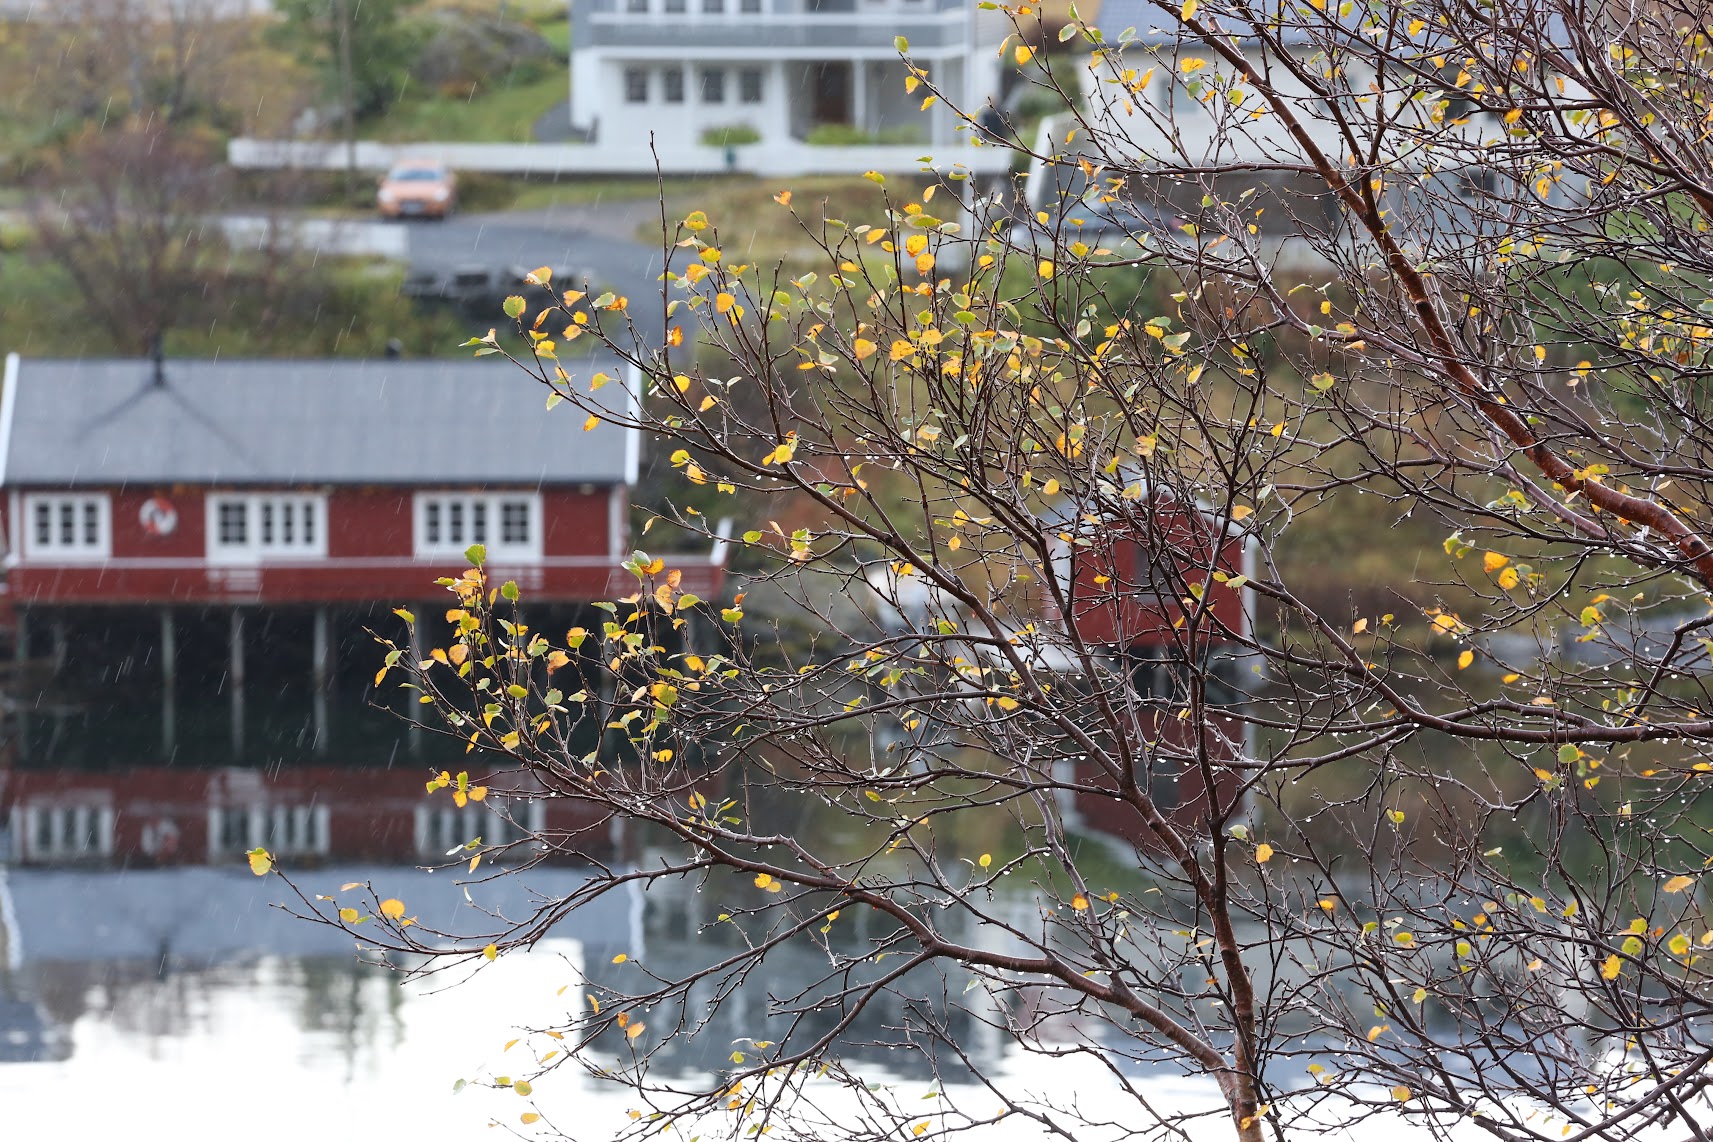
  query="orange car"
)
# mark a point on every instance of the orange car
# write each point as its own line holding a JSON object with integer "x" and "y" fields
{"x": 418, "y": 190}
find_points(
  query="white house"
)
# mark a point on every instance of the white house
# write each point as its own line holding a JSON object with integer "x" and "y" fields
{"x": 678, "y": 71}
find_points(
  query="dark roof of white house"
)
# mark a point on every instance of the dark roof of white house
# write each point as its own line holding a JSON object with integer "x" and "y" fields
{"x": 103, "y": 422}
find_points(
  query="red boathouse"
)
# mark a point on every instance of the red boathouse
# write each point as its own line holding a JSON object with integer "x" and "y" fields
{"x": 197, "y": 552}
{"x": 1133, "y": 578}
{"x": 251, "y": 483}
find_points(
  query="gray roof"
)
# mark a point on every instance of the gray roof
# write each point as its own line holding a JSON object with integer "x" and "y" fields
{"x": 102, "y": 422}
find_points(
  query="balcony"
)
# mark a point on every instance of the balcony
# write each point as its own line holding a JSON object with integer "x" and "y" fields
{"x": 840, "y": 26}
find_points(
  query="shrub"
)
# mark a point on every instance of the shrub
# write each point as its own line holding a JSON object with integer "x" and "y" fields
{"x": 733, "y": 135}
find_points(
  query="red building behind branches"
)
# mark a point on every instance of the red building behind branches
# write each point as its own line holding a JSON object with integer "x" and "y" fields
{"x": 1158, "y": 584}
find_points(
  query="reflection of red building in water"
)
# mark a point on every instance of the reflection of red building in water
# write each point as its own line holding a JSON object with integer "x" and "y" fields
{"x": 163, "y": 815}
{"x": 1150, "y": 587}
{"x": 221, "y": 537}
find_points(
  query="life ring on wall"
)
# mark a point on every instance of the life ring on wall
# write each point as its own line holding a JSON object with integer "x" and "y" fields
{"x": 160, "y": 839}
{"x": 158, "y": 516}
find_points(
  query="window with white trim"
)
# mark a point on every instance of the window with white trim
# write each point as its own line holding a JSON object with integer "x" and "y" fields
{"x": 65, "y": 832}
{"x": 68, "y": 526}
{"x": 443, "y": 829}
{"x": 266, "y": 526}
{"x": 284, "y": 830}
{"x": 508, "y": 524}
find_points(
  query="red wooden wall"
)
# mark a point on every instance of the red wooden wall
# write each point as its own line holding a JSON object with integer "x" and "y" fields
{"x": 369, "y": 555}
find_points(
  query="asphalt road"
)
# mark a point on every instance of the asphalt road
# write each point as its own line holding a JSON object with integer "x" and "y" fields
{"x": 597, "y": 243}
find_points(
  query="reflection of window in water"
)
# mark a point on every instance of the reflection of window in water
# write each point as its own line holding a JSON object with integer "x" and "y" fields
{"x": 283, "y": 830}
{"x": 65, "y": 832}
{"x": 441, "y": 828}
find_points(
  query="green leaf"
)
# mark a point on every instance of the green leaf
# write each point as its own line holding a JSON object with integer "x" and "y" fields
{"x": 1567, "y": 754}
{"x": 476, "y": 554}
{"x": 752, "y": 537}
{"x": 514, "y": 306}
{"x": 509, "y": 591}
{"x": 901, "y": 43}
{"x": 604, "y": 300}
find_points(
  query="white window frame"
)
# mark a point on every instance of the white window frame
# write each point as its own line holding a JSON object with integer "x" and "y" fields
{"x": 283, "y": 829}
{"x": 254, "y": 549}
{"x": 67, "y": 827}
{"x": 441, "y": 826}
{"x": 493, "y": 506}
{"x": 56, "y": 502}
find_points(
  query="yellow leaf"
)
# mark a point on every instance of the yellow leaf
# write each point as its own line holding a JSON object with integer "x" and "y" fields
{"x": 1079, "y": 902}
{"x": 1242, "y": 512}
{"x": 1508, "y": 578}
{"x": 589, "y": 425}
{"x": 915, "y": 244}
{"x": 783, "y": 198}
{"x": 349, "y": 915}
{"x": 1263, "y": 852}
{"x": 1359, "y": 626}
{"x": 392, "y": 909}
{"x": 986, "y": 860}
{"x": 1613, "y": 965}
{"x": 1023, "y": 54}
{"x": 1402, "y": 1093}
{"x": 635, "y": 1029}
{"x": 1464, "y": 659}
{"x": 1327, "y": 904}
{"x": 1045, "y": 269}
{"x": 1677, "y": 884}
{"x": 863, "y": 348}
{"x": 1050, "y": 488}
{"x": 620, "y": 958}
{"x": 924, "y": 263}
{"x": 1189, "y": 12}
{"x": 1192, "y": 65}
{"x": 763, "y": 880}
{"x": 723, "y": 302}
{"x": 260, "y": 861}
{"x": 530, "y": 1117}
{"x": 1492, "y": 561}
{"x": 539, "y": 276}
{"x": 902, "y": 349}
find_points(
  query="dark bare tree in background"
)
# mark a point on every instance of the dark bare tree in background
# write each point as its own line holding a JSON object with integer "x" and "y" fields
{"x": 134, "y": 228}
{"x": 1434, "y": 859}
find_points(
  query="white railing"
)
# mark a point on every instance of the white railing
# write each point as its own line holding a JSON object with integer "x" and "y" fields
{"x": 773, "y": 160}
